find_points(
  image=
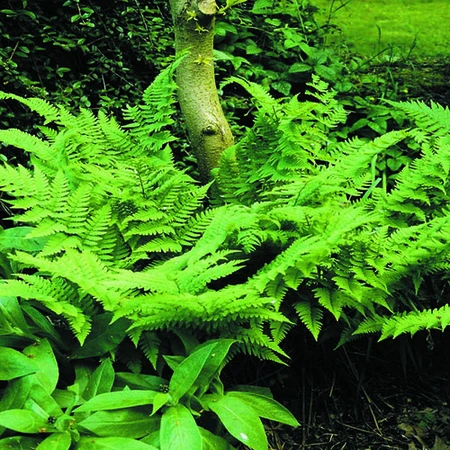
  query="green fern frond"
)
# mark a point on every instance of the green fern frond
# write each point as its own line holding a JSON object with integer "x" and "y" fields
{"x": 42, "y": 107}
{"x": 27, "y": 142}
{"x": 433, "y": 119}
{"x": 150, "y": 344}
{"x": 414, "y": 321}
{"x": 53, "y": 295}
{"x": 260, "y": 93}
{"x": 310, "y": 315}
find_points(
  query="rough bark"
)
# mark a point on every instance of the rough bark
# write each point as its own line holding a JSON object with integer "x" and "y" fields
{"x": 208, "y": 130}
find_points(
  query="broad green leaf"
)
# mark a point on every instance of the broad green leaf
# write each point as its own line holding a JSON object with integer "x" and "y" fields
{"x": 160, "y": 400}
{"x": 44, "y": 324}
{"x": 124, "y": 423}
{"x": 188, "y": 371}
{"x": 188, "y": 340}
{"x": 152, "y": 439}
{"x": 101, "y": 380}
{"x": 12, "y": 341}
{"x": 174, "y": 361}
{"x": 111, "y": 443}
{"x": 214, "y": 442}
{"x": 179, "y": 430}
{"x": 65, "y": 398}
{"x": 231, "y": 3}
{"x": 266, "y": 407}
{"x": 139, "y": 381}
{"x": 16, "y": 238}
{"x": 42, "y": 355}
{"x": 16, "y": 393}
{"x": 11, "y": 311}
{"x": 104, "y": 337}
{"x": 56, "y": 441}
{"x": 213, "y": 363}
{"x": 260, "y": 390}
{"x": 19, "y": 443}
{"x": 83, "y": 373}
{"x": 299, "y": 67}
{"x": 117, "y": 400}
{"x": 14, "y": 364}
{"x": 41, "y": 402}
{"x": 239, "y": 419}
{"x": 23, "y": 421}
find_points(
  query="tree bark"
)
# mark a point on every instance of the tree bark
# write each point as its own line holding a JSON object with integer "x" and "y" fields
{"x": 207, "y": 127}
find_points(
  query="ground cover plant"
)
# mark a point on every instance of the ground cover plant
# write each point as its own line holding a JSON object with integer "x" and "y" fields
{"x": 99, "y": 254}
{"x": 117, "y": 293}
{"x": 128, "y": 287}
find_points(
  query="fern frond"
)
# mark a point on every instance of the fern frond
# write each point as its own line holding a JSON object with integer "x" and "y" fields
{"x": 27, "y": 142}
{"x": 310, "y": 315}
{"x": 53, "y": 294}
{"x": 433, "y": 119}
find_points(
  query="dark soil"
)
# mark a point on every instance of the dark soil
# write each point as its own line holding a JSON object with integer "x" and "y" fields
{"x": 426, "y": 79}
{"x": 368, "y": 396}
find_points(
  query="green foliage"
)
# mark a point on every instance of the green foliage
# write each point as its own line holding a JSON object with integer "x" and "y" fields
{"x": 115, "y": 241}
{"x": 99, "y": 55}
{"x": 77, "y": 49}
{"x": 341, "y": 241}
{"x": 104, "y": 408}
{"x": 116, "y": 254}
{"x": 293, "y": 47}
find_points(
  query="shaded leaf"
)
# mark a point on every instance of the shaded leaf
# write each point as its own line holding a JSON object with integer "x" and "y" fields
{"x": 266, "y": 407}
{"x": 19, "y": 443}
{"x": 214, "y": 442}
{"x": 101, "y": 380}
{"x": 141, "y": 381}
{"x": 14, "y": 364}
{"x": 104, "y": 336}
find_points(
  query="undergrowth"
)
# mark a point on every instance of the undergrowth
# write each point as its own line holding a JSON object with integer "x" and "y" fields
{"x": 114, "y": 252}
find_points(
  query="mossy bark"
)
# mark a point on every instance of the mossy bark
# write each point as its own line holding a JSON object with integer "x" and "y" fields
{"x": 208, "y": 129}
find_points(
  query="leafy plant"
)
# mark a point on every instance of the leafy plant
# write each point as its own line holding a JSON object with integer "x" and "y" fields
{"x": 347, "y": 243}
{"x": 104, "y": 408}
{"x": 120, "y": 233}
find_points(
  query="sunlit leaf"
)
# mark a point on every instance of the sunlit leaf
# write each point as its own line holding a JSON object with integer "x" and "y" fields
{"x": 188, "y": 370}
{"x": 23, "y": 421}
{"x": 179, "y": 430}
{"x": 130, "y": 423}
{"x": 60, "y": 441}
{"x": 239, "y": 419}
{"x": 118, "y": 400}
{"x": 111, "y": 443}
{"x": 42, "y": 355}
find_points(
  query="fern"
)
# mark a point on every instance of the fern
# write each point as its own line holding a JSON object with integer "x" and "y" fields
{"x": 299, "y": 223}
{"x": 349, "y": 247}
{"x": 407, "y": 322}
{"x": 121, "y": 228}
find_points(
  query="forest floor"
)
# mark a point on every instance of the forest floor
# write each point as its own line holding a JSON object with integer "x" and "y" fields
{"x": 369, "y": 396}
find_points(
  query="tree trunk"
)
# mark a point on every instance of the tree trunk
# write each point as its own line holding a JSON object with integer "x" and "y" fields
{"x": 209, "y": 131}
